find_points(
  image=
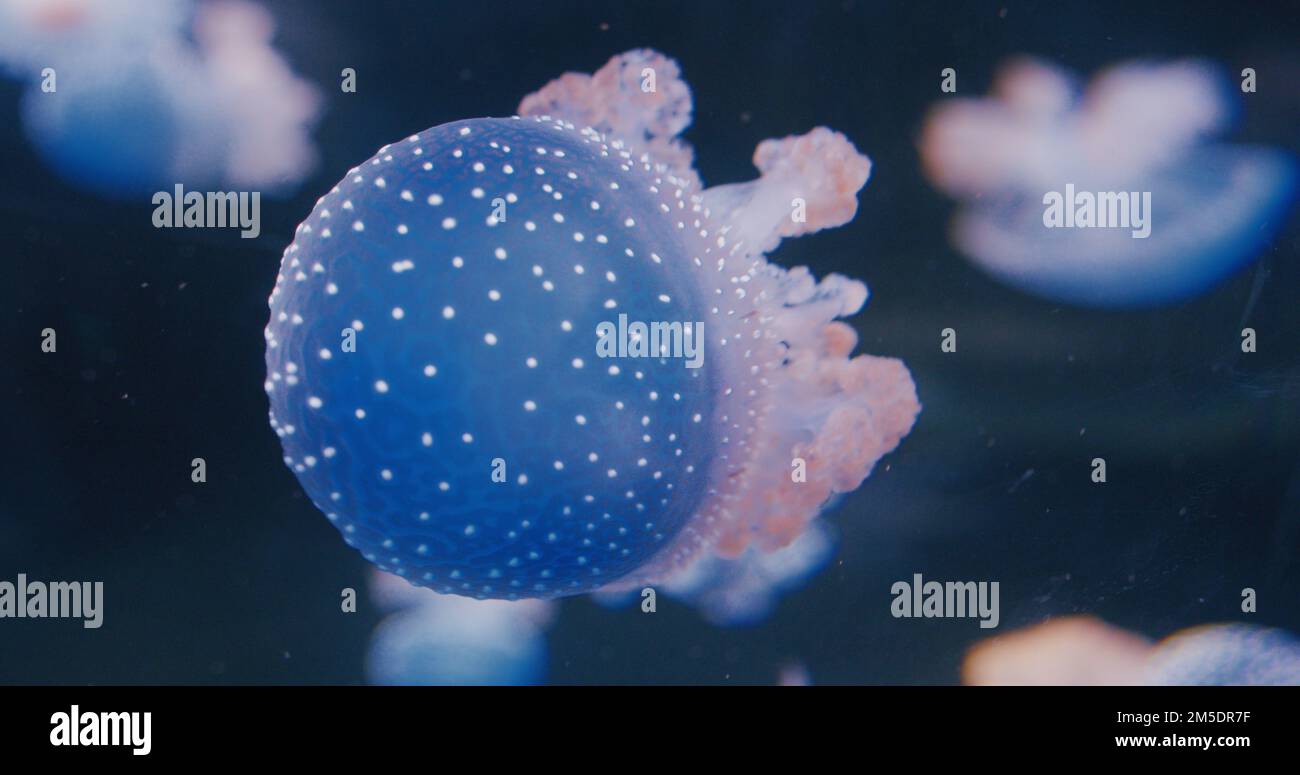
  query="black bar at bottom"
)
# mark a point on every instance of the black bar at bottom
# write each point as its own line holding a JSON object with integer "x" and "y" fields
{"x": 212, "y": 724}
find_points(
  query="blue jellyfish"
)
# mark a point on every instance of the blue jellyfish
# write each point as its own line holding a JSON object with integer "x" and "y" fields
{"x": 1110, "y": 198}
{"x": 533, "y": 356}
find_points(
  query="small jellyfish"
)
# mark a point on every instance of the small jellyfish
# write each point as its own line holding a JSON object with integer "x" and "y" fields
{"x": 1114, "y": 197}
{"x": 442, "y": 640}
{"x": 1081, "y": 650}
{"x": 441, "y": 365}
{"x": 194, "y": 94}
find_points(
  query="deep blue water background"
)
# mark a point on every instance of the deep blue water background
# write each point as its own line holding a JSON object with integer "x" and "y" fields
{"x": 237, "y": 580}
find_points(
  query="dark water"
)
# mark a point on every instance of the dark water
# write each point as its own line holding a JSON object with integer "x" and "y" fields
{"x": 237, "y": 580}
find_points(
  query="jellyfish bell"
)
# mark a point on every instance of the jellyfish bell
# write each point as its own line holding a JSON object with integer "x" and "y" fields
{"x": 512, "y": 373}
{"x": 473, "y": 440}
{"x": 1140, "y": 131}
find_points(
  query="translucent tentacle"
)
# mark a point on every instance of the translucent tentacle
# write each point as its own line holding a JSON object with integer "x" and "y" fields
{"x": 809, "y": 182}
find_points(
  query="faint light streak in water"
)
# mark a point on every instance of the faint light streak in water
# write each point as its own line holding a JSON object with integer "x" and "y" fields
{"x": 1139, "y": 127}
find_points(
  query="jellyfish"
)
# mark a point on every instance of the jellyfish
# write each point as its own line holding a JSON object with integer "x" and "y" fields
{"x": 1081, "y": 650}
{"x": 1116, "y": 197}
{"x": 441, "y": 364}
{"x": 438, "y": 640}
{"x": 192, "y": 94}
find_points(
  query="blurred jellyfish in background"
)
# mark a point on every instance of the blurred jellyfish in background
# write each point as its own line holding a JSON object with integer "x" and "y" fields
{"x": 1083, "y": 651}
{"x": 1138, "y": 128}
{"x": 128, "y": 97}
{"x": 477, "y": 262}
{"x": 1070, "y": 651}
{"x": 433, "y": 639}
